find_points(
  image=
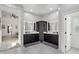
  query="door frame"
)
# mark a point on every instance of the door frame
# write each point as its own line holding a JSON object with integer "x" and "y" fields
{"x": 64, "y": 14}
{"x": 67, "y": 32}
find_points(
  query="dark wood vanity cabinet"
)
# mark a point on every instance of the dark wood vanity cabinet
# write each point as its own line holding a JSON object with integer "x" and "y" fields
{"x": 30, "y": 38}
{"x": 41, "y": 27}
{"x": 51, "y": 38}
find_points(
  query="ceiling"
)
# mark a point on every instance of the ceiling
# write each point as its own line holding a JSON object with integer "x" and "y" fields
{"x": 40, "y": 8}
{"x": 47, "y": 8}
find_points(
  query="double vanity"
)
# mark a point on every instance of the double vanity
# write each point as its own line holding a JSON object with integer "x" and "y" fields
{"x": 41, "y": 34}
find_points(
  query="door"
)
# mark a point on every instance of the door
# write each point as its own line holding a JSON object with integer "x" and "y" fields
{"x": 75, "y": 31}
{"x": 67, "y": 33}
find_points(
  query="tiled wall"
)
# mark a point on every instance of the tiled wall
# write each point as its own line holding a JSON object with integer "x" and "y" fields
{"x": 7, "y": 20}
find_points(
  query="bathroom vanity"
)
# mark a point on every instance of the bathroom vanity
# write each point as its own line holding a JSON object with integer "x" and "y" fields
{"x": 30, "y": 38}
{"x": 41, "y": 35}
{"x": 51, "y": 39}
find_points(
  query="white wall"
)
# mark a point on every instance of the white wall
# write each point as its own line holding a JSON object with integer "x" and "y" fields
{"x": 29, "y": 20}
{"x": 53, "y": 20}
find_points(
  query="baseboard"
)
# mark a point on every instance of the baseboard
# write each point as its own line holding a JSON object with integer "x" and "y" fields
{"x": 49, "y": 44}
{"x": 30, "y": 44}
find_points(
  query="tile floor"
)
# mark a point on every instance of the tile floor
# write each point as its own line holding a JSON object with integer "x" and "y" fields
{"x": 8, "y": 42}
{"x": 35, "y": 49}
{"x": 73, "y": 51}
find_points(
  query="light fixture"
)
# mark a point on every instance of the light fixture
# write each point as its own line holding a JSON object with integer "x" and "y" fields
{"x": 31, "y": 10}
{"x": 26, "y": 14}
{"x": 57, "y": 12}
{"x": 51, "y": 9}
{"x": 13, "y": 44}
{"x": 58, "y": 8}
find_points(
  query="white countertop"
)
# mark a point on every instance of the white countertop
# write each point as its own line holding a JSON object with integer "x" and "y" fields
{"x": 50, "y": 32}
{"x": 34, "y": 32}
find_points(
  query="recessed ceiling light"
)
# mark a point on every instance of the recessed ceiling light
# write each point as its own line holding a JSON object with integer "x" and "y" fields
{"x": 58, "y": 8}
{"x": 31, "y": 10}
{"x": 57, "y": 12}
{"x": 26, "y": 14}
{"x": 51, "y": 9}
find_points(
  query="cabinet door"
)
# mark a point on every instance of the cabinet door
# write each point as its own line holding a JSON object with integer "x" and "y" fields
{"x": 50, "y": 38}
{"x": 30, "y": 38}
